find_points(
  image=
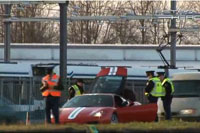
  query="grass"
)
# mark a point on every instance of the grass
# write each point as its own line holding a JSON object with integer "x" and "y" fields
{"x": 164, "y": 125}
{"x": 40, "y": 127}
{"x": 133, "y": 126}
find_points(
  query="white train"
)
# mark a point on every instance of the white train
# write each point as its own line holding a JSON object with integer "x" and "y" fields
{"x": 20, "y": 82}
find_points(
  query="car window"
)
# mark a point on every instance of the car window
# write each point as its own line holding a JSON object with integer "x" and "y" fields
{"x": 106, "y": 84}
{"x": 90, "y": 101}
{"x": 120, "y": 101}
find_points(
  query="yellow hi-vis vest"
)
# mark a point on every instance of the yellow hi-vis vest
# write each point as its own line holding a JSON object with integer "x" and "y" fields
{"x": 157, "y": 90}
{"x": 172, "y": 85}
{"x": 77, "y": 91}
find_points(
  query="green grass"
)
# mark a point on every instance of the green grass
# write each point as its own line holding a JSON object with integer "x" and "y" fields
{"x": 164, "y": 125}
{"x": 39, "y": 127}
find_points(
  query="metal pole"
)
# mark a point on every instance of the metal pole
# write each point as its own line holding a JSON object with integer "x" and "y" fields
{"x": 167, "y": 72}
{"x": 7, "y": 35}
{"x": 63, "y": 42}
{"x": 173, "y": 35}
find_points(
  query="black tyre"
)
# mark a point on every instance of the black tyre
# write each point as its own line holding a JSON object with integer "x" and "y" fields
{"x": 114, "y": 119}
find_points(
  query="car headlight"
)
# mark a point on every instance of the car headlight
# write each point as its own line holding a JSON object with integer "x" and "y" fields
{"x": 98, "y": 114}
{"x": 51, "y": 116}
{"x": 187, "y": 111}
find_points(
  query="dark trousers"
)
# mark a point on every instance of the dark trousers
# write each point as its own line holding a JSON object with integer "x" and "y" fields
{"x": 167, "y": 107}
{"x": 52, "y": 103}
{"x": 153, "y": 99}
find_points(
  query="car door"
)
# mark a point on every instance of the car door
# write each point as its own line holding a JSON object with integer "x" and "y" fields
{"x": 144, "y": 113}
{"x": 127, "y": 113}
{"x": 122, "y": 109}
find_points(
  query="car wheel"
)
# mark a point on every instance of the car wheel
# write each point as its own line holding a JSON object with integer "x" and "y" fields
{"x": 114, "y": 119}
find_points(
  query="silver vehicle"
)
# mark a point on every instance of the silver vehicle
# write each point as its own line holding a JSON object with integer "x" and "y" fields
{"x": 186, "y": 100}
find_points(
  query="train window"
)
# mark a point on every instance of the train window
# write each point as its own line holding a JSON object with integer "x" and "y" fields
{"x": 39, "y": 71}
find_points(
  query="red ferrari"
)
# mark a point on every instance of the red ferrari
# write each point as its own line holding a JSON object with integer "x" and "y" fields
{"x": 105, "y": 108}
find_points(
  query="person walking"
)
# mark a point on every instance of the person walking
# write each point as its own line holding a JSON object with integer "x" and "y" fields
{"x": 168, "y": 90}
{"x": 76, "y": 89}
{"x": 153, "y": 88}
{"x": 51, "y": 91}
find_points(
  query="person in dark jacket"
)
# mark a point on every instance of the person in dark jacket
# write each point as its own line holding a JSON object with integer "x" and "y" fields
{"x": 153, "y": 88}
{"x": 167, "y": 98}
{"x": 76, "y": 89}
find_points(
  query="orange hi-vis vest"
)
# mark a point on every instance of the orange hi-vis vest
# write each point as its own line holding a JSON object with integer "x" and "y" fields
{"x": 51, "y": 83}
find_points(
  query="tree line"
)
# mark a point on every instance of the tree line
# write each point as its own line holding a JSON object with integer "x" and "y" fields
{"x": 100, "y": 32}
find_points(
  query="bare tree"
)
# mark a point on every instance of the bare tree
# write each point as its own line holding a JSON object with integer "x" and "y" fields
{"x": 31, "y": 32}
{"x": 2, "y": 15}
{"x": 190, "y": 37}
{"x": 38, "y": 32}
{"x": 92, "y": 32}
{"x": 87, "y": 31}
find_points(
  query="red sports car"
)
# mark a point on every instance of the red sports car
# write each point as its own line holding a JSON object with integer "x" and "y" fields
{"x": 105, "y": 108}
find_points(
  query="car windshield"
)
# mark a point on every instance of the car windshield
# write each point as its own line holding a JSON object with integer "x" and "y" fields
{"x": 187, "y": 88}
{"x": 90, "y": 101}
{"x": 106, "y": 84}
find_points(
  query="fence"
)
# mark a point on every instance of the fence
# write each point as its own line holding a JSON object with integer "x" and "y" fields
{"x": 21, "y": 95}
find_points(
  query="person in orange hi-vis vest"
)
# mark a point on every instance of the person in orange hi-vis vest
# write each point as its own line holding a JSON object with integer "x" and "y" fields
{"x": 51, "y": 91}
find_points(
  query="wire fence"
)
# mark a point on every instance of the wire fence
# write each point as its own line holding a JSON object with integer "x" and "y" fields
{"x": 21, "y": 95}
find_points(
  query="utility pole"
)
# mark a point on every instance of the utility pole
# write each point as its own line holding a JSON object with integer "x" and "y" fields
{"x": 173, "y": 36}
{"x": 7, "y": 36}
{"x": 63, "y": 42}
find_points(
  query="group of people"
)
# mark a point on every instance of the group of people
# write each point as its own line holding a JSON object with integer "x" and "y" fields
{"x": 157, "y": 86}
{"x": 51, "y": 91}
{"x": 160, "y": 87}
